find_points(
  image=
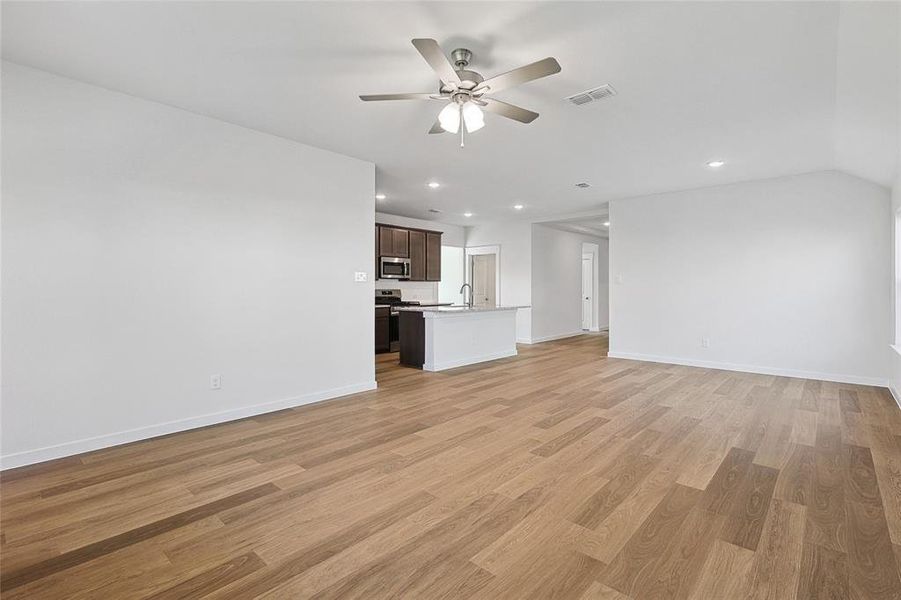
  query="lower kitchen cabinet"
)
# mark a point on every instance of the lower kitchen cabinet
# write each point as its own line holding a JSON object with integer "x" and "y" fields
{"x": 382, "y": 329}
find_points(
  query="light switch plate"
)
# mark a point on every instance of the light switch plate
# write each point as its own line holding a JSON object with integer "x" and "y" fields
{"x": 361, "y": 276}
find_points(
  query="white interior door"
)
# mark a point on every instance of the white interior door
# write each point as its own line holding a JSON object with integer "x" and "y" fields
{"x": 587, "y": 290}
{"x": 483, "y": 280}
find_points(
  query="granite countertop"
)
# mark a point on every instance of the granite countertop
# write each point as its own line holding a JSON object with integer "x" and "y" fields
{"x": 457, "y": 308}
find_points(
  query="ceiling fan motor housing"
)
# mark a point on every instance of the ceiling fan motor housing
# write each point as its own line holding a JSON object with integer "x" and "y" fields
{"x": 469, "y": 79}
{"x": 461, "y": 57}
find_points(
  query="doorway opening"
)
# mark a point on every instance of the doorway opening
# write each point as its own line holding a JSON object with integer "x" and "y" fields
{"x": 588, "y": 292}
{"x": 483, "y": 274}
{"x": 484, "y": 268}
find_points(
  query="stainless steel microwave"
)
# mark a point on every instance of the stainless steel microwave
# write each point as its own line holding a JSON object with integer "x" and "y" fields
{"x": 394, "y": 268}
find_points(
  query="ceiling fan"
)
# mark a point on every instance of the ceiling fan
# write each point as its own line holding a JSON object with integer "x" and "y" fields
{"x": 467, "y": 91}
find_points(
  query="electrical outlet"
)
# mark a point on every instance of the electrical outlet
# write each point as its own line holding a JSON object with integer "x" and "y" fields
{"x": 215, "y": 382}
{"x": 360, "y": 276}
{"x": 705, "y": 342}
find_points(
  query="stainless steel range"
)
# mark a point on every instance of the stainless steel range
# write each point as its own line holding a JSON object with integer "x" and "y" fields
{"x": 392, "y": 298}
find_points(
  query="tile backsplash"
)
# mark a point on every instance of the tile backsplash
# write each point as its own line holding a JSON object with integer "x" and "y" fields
{"x": 420, "y": 291}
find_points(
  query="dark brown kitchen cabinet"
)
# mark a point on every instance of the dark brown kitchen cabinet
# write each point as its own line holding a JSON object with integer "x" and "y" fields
{"x": 418, "y": 257}
{"x": 432, "y": 256}
{"x": 412, "y": 339}
{"x": 394, "y": 241}
{"x": 421, "y": 246}
{"x": 382, "y": 329}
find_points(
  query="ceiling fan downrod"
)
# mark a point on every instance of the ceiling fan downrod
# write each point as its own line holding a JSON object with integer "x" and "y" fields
{"x": 462, "y": 127}
{"x": 461, "y": 57}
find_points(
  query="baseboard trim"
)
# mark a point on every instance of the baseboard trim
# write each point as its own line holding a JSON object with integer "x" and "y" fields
{"x": 452, "y": 364}
{"x": 895, "y": 394}
{"x": 709, "y": 364}
{"x": 550, "y": 338}
{"x": 30, "y": 457}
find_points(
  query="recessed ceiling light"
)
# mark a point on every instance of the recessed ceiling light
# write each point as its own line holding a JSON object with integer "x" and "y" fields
{"x": 716, "y": 163}
{"x": 380, "y": 196}
{"x": 518, "y": 206}
{"x": 434, "y": 184}
{"x": 606, "y": 223}
{"x": 467, "y": 214}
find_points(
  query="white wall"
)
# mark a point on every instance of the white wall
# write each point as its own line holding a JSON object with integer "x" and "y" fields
{"x": 868, "y": 76}
{"x": 603, "y": 291}
{"x": 453, "y": 274}
{"x": 895, "y": 351}
{"x": 515, "y": 240}
{"x": 788, "y": 275}
{"x": 145, "y": 248}
{"x": 557, "y": 281}
{"x": 422, "y": 291}
{"x": 452, "y": 235}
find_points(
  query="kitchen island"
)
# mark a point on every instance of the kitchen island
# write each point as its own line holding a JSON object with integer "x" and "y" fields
{"x": 444, "y": 337}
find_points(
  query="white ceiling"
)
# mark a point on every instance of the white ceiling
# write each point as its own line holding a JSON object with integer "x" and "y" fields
{"x": 591, "y": 225}
{"x": 753, "y": 83}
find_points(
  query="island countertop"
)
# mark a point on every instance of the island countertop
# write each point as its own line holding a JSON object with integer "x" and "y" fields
{"x": 435, "y": 338}
{"x": 456, "y": 309}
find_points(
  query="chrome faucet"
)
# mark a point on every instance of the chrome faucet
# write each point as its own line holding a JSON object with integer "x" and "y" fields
{"x": 464, "y": 286}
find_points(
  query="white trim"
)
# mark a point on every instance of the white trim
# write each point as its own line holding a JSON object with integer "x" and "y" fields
{"x": 471, "y": 251}
{"x": 595, "y": 330}
{"x": 550, "y": 338}
{"x": 451, "y": 364}
{"x": 29, "y": 457}
{"x": 710, "y": 364}
{"x": 895, "y": 395}
{"x": 593, "y": 308}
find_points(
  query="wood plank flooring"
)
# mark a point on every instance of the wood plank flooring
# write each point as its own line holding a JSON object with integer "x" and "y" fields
{"x": 555, "y": 474}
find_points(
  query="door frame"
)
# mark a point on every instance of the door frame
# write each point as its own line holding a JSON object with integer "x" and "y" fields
{"x": 592, "y": 326}
{"x": 475, "y": 250}
{"x": 594, "y": 250}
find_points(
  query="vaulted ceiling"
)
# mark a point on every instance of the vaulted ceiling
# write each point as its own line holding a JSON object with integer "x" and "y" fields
{"x": 757, "y": 84}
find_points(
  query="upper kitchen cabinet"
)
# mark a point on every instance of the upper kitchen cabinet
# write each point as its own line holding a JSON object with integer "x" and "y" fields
{"x": 418, "y": 256}
{"x": 432, "y": 256}
{"x": 421, "y": 246}
{"x": 394, "y": 241}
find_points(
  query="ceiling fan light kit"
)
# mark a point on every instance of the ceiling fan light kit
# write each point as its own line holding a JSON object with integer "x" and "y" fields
{"x": 467, "y": 91}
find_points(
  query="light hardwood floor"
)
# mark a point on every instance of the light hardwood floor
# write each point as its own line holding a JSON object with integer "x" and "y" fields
{"x": 555, "y": 474}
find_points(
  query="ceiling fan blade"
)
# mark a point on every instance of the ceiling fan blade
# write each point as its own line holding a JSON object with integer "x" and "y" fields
{"x": 530, "y": 72}
{"x": 436, "y": 128}
{"x": 510, "y": 111}
{"x": 433, "y": 55}
{"x": 373, "y": 97}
